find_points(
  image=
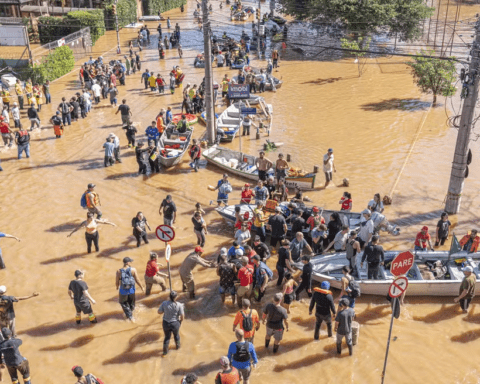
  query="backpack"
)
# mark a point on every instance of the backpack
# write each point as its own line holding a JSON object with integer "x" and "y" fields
{"x": 242, "y": 355}
{"x": 225, "y": 189}
{"x": 92, "y": 379}
{"x": 127, "y": 281}
{"x": 267, "y": 270}
{"x": 354, "y": 288}
{"x": 247, "y": 322}
{"x": 83, "y": 200}
{"x": 65, "y": 108}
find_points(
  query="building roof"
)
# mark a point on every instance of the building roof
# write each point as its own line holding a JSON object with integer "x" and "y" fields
{"x": 52, "y": 11}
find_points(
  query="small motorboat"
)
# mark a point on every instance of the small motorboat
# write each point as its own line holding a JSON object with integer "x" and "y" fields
{"x": 173, "y": 145}
{"x": 229, "y": 121}
{"x": 433, "y": 273}
{"x": 240, "y": 16}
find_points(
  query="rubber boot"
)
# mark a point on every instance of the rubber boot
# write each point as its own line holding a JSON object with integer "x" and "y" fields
{"x": 329, "y": 329}
{"x": 267, "y": 343}
{"x": 92, "y": 318}
{"x": 78, "y": 319}
{"x": 350, "y": 350}
{"x": 275, "y": 348}
{"x": 339, "y": 349}
{"x": 165, "y": 350}
{"x": 316, "y": 335}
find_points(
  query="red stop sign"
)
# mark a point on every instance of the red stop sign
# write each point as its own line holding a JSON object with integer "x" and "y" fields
{"x": 402, "y": 263}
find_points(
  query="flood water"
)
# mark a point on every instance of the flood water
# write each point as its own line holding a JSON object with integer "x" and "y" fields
{"x": 371, "y": 122}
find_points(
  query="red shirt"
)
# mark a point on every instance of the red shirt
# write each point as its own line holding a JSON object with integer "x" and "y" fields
{"x": 152, "y": 268}
{"x": 421, "y": 240}
{"x": 346, "y": 204}
{"x": 245, "y": 275}
{"x": 315, "y": 221}
{"x": 4, "y": 128}
{"x": 247, "y": 195}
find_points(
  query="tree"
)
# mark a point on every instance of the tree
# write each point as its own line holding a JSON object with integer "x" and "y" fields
{"x": 364, "y": 17}
{"x": 435, "y": 76}
{"x": 354, "y": 47}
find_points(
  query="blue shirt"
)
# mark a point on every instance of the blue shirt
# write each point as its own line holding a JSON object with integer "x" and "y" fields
{"x": 231, "y": 252}
{"x": 2, "y": 234}
{"x": 152, "y": 133}
{"x": 241, "y": 365}
{"x": 222, "y": 196}
{"x": 109, "y": 147}
{"x": 261, "y": 194}
{"x": 169, "y": 116}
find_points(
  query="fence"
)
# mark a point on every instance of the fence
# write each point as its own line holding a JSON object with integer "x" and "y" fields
{"x": 80, "y": 42}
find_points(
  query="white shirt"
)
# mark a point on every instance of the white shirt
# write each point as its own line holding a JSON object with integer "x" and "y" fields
{"x": 96, "y": 89}
{"x": 329, "y": 166}
{"x": 241, "y": 236}
{"x": 220, "y": 59}
{"x": 366, "y": 229}
{"x": 6, "y": 116}
{"x": 87, "y": 98}
{"x": 116, "y": 141}
{"x": 378, "y": 207}
{"x": 16, "y": 113}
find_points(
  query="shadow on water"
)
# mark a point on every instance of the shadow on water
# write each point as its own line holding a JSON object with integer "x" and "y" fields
{"x": 61, "y": 259}
{"x": 466, "y": 337}
{"x": 410, "y": 105}
{"x": 444, "y": 313}
{"x": 124, "y": 175}
{"x": 77, "y": 343}
{"x": 66, "y": 227}
{"x": 372, "y": 313}
{"x": 331, "y": 80}
{"x": 139, "y": 340}
{"x": 307, "y": 323}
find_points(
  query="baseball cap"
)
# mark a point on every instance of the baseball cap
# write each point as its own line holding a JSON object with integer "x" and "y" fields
{"x": 424, "y": 228}
{"x": 78, "y": 273}
{"x": 15, "y": 103}
{"x": 3, "y": 289}
{"x": 257, "y": 238}
{"x": 330, "y": 149}
{"x": 127, "y": 260}
{"x": 77, "y": 370}
{"x": 467, "y": 269}
{"x": 238, "y": 252}
{"x": 57, "y": 113}
{"x": 225, "y": 175}
{"x": 315, "y": 209}
{"x": 6, "y": 332}
{"x": 91, "y": 185}
{"x": 111, "y": 134}
{"x": 173, "y": 294}
{"x": 223, "y": 251}
{"x": 198, "y": 249}
{"x": 325, "y": 285}
{"x": 256, "y": 257}
{"x": 278, "y": 209}
{"x": 247, "y": 185}
{"x": 366, "y": 212}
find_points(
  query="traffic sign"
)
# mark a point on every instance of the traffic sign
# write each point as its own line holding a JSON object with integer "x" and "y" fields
{"x": 165, "y": 233}
{"x": 402, "y": 263}
{"x": 249, "y": 111}
{"x": 398, "y": 286}
{"x": 168, "y": 252}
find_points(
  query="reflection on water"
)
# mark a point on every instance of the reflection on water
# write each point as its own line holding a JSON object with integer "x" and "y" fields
{"x": 370, "y": 121}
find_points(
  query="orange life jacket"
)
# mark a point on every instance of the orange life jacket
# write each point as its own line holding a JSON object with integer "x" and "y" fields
{"x": 475, "y": 243}
{"x": 230, "y": 378}
{"x": 324, "y": 291}
{"x": 96, "y": 199}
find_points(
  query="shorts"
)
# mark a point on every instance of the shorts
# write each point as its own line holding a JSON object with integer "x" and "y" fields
{"x": 125, "y": 119}
{"x": 276, "y": 333}
{"x": 328, "y": 176}
{"x": 113, "y": 101}
{"x": 288, "y": 298}
{"x": 281, "y": 174}
{"x": 230, "y": 290}
{"x": 83, "y": 307}
{"x": 348, "y": 338}
{"x": 245, "y": 372}
{"x": 244, "y": 291}
{"x": 168, "y": 221}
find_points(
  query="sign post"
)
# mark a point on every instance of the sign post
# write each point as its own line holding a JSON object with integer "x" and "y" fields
{"x": 239, "y": 92}
{"x": 168, "y": 252}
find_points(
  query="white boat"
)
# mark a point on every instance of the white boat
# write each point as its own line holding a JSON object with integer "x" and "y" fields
{"x": 421, "y": 281}
{"x": 173, "y": 145}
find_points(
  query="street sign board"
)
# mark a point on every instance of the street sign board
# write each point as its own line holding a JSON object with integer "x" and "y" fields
{"x": 398, "y": 286}
{"x": 238, "y": 91}
{"x": 402, "y": 263}
{"x": 165, "y": 233}
{"x": 249, "y": 111}
{"x": 168, "y": 252}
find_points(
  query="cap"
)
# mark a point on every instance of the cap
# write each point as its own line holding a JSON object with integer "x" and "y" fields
{"x": 256, "y": 257}
{"x": 278, "y": 209}
{"x": 3, "y": 289}
{"x": 127, "y": 260}
{"x": 224, "y": 362}
{"x": 330, "y": 149}
{"x": 257, "y": 238}
{"x": 78, "y": 273}
{"x": 57, "y": 113}
{"x": 6, "y": 332}
{"x": 111, "y": 134}
{"x": 198, "y": 249}
{"x": 247, "y": 185}
{"x": 424, "y": 228}
{"x": 325, "y": 285}
{"x": 467, "y": 269}
{"x": 223, "y": 251}
{"x": 15, "y": 103}
{"x": 278, "y": 296}
{"x": 225, "y": 175}
{"x": 173, "y": 294}
{"x": 2, "y": 118}
{"x": 169, "y": 197}
{"x": 238, "y": 252}
{"x": 366, "y": 212}
{"x": 91, "y": 185}
{"x": 77, "y": 370}
{"x": 315, "y": 209}
{"x": 353, "y": 233}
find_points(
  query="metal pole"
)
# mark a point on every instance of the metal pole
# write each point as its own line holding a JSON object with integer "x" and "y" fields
{"x": 258, "y": 27}
{"x": 240, "y": 125}
{"x": 209, "y": 103}
{"x": 459, "y": 165}
{"x": 429, "y": 23}
{"x": 118, "y": 33}
{"x": 169, "y": 275}
{"x": 457, "y": 13}
{"x": 388, "y": 342}
{"x": 436, "y": 27}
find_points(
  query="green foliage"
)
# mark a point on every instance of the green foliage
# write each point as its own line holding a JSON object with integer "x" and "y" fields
{"x": 53, "y": 28}
{"x": 126, "y": 11}
{"x": 153, "y": 6}
{"x": 361, "y": 44}
{"x": 434, "y": 75}
{"x": 53, "y": 66}
{"x": 364, "y": 17}
{"x": 81, "y": 19}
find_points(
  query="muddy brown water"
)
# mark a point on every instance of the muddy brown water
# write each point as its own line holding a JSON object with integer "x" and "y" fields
{"x": 370, "y": 121}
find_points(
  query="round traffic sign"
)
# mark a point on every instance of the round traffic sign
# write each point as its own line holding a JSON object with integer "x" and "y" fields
{"x": 165, "y": 233}
{"x": 398, "y": 286}
{"x": 402, "y": 263}
{"x": 168, "y": 252}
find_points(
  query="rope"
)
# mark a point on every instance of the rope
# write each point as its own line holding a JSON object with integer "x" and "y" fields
{"x": 412, "y": 146}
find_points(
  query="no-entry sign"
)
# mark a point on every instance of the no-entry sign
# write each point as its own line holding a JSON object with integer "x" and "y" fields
{"x": 165, "y": 233}
{"x": 398, "y": 286}
{"x": 402, "y": 263}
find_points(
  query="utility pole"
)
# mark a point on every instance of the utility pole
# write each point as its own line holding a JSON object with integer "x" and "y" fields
{"x": 258, "y": 27}
{"x": 114, "y": 8}
{"x": 209, "y": 103}
{"x": 460, "y": 158}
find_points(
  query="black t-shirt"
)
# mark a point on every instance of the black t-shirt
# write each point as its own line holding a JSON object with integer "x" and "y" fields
{"x": 10, "y": 352}
{"x": 275, "y": 316}
{"x": 277, "y": 223}
{"x": 124, "y": 109}
{"x": 271, "y": 189}
{"x": 261, "y": 250}
{"x": 139, "y": 223}
{"x": 169, "y": 209}
{"x": 6, "y": 307}
{"x": 56, "y": 120}
{"x": 75, "y": 106}
{"x": 298, "y": 224}
{"x": 78, "y": 287}
{"x": 130, "y": 130}
{"x": 443, "y": 228}
{"x": 197, "y": 225}
{"x": 333, "y": 228}
{"x": 374, "y": 255}
{"x": 283, "y": 255}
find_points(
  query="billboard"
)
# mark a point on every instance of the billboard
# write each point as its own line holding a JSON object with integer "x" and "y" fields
{"x": 238, "y": 91}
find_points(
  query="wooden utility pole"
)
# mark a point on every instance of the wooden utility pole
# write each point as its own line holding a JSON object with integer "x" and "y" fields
{"x": 209, "y": 102}
{"x": 459, "y": 165}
